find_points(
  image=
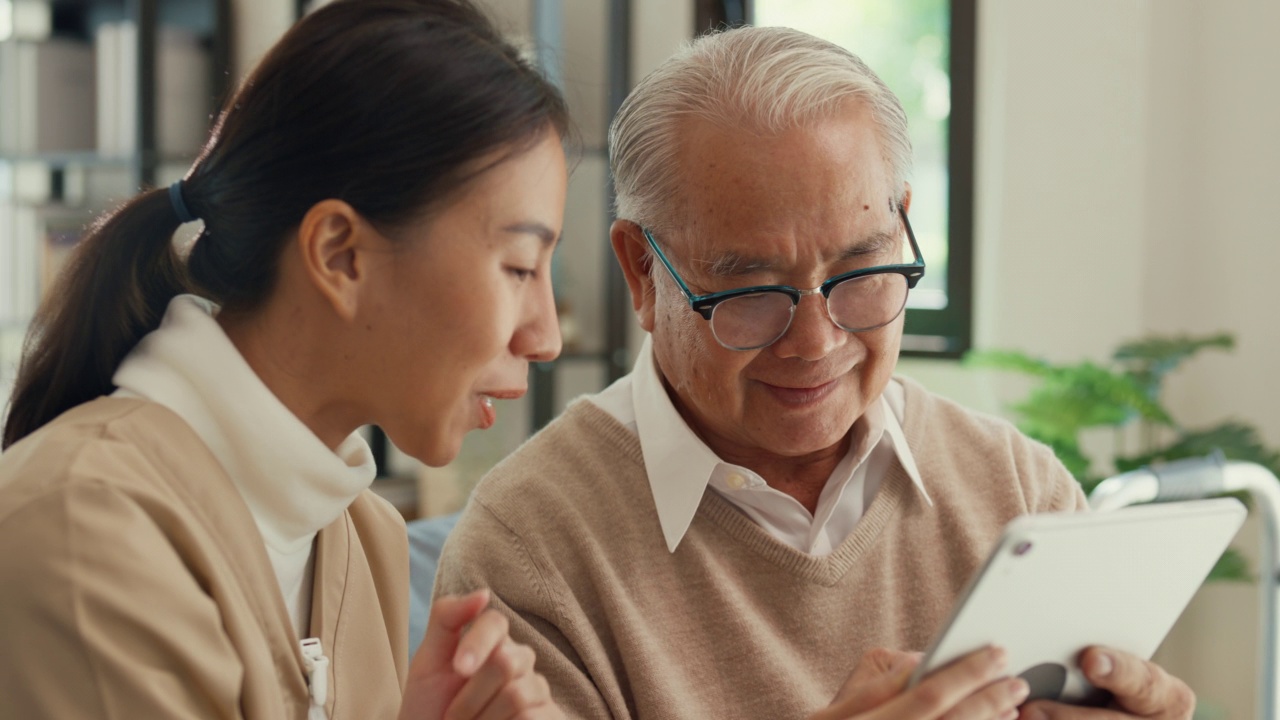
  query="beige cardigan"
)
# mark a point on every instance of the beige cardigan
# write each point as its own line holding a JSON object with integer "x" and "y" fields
{"x": 135, "y": 584}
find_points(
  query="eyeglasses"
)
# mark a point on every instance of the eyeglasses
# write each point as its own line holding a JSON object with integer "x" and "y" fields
{"x": 754, "y": 317}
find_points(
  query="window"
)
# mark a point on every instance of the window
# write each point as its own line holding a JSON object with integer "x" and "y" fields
{"x": 924, "y": 51}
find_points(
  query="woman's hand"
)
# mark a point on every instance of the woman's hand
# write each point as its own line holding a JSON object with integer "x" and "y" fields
{"x": 469, "y": 668}
{"x": 973, "y": 687}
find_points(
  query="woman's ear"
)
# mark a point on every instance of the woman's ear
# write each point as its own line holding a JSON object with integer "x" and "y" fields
{"x": 329, "y": 241}
{"x": 633, "y": 255}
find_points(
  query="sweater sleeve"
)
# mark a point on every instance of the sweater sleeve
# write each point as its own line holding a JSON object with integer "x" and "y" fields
{"x": 1047, "y": 484}
{"x": 483, "y": 552}
{"x": 102, "y": 619}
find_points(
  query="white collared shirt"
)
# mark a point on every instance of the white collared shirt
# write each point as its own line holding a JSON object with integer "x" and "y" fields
{"x": 680, "y": 466}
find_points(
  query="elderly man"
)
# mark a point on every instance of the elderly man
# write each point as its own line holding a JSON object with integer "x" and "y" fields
{"x": 760, "y": 505}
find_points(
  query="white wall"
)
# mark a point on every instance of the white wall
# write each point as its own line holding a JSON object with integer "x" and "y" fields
{"x": 1213, "y": 219}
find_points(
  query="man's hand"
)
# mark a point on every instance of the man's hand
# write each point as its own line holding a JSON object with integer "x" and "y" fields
{"x": 1140, "y": 689}
{"x": 469, "y": 668}
{"x": 972, "y": 688}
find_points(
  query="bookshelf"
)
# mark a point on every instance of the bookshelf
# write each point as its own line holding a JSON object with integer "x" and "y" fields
{"x": 98, "y": 99}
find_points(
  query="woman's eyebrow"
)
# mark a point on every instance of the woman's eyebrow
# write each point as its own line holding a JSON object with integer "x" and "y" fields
{"x": 533, "y": 227}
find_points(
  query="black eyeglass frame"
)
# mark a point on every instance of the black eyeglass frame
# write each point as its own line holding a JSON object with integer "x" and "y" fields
{"x": 705, "y": 305}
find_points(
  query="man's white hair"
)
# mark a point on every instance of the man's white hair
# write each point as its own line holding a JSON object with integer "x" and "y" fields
{"x": 761, "y": 79}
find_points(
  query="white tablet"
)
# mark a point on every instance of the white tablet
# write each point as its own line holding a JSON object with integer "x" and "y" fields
{"x": 1058, "y": 583}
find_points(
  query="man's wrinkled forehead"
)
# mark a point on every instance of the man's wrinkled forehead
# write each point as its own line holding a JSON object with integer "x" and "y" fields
{"x": 719, "y": 162}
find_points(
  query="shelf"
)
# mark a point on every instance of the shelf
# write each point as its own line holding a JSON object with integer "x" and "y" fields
{"x": 89, "y": 158}
{"x": 85, "y": 158}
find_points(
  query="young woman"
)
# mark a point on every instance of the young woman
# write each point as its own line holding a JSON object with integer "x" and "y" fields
{"x": 186, "y": 529}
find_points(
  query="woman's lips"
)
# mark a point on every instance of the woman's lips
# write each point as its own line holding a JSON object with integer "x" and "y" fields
{"x": 488, "y": 414}
{"x": 800, "y": 397}
{"x": 512, "y": 394}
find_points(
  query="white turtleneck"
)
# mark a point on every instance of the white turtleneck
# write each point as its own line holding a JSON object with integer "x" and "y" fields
{"x": 292, "y": 482}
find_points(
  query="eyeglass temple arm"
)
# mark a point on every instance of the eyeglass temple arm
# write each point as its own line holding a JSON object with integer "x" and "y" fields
{"x": 672, "y": 271}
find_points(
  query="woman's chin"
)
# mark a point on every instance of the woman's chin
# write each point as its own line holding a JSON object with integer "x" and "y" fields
{"x": 442, "y": 454}
{"x": 438, "y": 445}
{"x": 433, "y": 449}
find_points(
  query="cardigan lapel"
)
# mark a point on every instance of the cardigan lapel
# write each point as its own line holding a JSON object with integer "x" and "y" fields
{"x": 332, "y": 567}
{"x": 213, "y": 498}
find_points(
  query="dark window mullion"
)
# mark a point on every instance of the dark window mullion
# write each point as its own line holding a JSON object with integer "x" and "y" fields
{"x": 954, "y": 323}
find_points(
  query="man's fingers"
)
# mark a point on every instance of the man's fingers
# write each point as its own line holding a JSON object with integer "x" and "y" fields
{"x": 1046, "y": 710}
{"x": 1141, "y": 688}
{"x": 449, "y": 615}
{"x": 880, "y": 675}
{"x": 501, "y": 676}
{"x": 998, "y": 700}
{"x": 942, "y": 690}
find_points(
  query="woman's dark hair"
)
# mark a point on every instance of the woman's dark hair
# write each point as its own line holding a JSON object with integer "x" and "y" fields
{"x": 388, "y": 105}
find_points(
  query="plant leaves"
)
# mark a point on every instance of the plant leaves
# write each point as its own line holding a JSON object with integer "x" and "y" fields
{"x": 1174, "y": 349}
{"x": 1008, "y": 360}
{"x": 1232, "y": 567}
{"x": 1150, "y": 359}
{"x": 1236, "y": 440}
{"x": 1074, "y": 397}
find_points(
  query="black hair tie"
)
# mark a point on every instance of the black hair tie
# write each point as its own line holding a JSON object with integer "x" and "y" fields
{"x": 179, "y": 205}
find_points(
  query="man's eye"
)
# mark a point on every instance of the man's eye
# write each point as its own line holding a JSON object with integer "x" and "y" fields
{"x": 522, "y": 274}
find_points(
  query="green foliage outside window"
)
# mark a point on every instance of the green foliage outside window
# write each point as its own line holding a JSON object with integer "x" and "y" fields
{"x": 1119, "y": 394}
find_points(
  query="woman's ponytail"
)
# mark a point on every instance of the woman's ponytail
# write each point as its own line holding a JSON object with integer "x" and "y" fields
{"x": 114, "y": 290}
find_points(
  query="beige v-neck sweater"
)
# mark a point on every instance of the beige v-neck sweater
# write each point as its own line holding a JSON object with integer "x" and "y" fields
{"x": 734, "y": 623}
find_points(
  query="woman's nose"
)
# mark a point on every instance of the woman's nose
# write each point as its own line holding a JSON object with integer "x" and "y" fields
{"x": 538, "y": 339}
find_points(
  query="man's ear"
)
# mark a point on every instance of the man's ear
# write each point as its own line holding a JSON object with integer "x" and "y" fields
{"x": 633, "y": 255}
{"x": 906, "y": 197}
{"x": 329, "y": 238}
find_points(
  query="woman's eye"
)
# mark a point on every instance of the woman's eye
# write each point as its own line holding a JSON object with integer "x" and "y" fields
{"x": 522, "y": 274}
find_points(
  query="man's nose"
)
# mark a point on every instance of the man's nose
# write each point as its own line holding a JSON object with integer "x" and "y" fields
{"x": 812, "y": 335}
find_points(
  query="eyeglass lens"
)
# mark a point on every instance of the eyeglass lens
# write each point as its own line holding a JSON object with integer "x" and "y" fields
{"x": 863, "y": 303}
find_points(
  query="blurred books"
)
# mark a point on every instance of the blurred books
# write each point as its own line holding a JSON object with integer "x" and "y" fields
{"x": 184, "y": 90}
{"x": 69, "y": 116}
{"x": 48, "y": 96}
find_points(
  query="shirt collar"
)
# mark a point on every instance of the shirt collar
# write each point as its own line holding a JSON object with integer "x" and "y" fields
{"x": 680, "y": 465}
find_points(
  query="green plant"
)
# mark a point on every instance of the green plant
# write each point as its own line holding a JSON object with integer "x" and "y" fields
{"x": 1125, "y": 392}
